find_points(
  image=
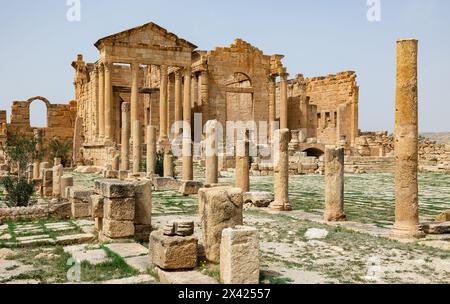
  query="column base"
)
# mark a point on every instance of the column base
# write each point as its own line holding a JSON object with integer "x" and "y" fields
{"x": 276, "y": 206}
{"x": 334, "y": 217}
{"x": 407, "y": 232}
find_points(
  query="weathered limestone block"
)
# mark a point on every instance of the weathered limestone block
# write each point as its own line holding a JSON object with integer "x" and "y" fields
{"x": 97, "y": 206}
{"x": 115, "y": 188}
{"x": 179, "y": 227}
{"x": 239, "y": 256}
{"x": 173, "y": 252}
{"x": 119, "y": 209}
{"x": 66, "y": 181}
{"x": 190, "y": 187}
{"x": 437, "y": 228}
{"x": 443, "y": 217}
{"x": 143, "y": 197}
{"x": 111, "y": 174}
{"x": 117, "y": 229}
{"x": 219, "y": 208}
{"x": 166, "y": 183}
{"x": 258, "y": 199}
{"x": 80, "y": 202}
{"x": 334, "y": 184}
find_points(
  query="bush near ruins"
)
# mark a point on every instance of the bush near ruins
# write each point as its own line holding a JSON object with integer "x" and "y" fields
{"x": 159, "y": 167}
{"x": 61, "y": 150}
{"x": 20, "y": 152}
{"x": 18, "y": 191}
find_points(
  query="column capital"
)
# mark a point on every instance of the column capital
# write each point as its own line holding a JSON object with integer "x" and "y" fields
{"x": 108, "y": 65}
{"x": 178, "y": 75}
{"x": 126, "y": 107}
{"x": 164, "y": 69}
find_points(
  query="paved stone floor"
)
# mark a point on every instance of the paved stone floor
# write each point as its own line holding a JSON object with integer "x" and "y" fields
{"x": 296, "y": 247}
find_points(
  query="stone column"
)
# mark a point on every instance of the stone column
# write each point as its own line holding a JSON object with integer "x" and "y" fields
{"x": 163, "y": 105}
{"x": 243, "y": 164}
{"x": 101, "y": 101}
{"x": 406, "y": 142}
{"x": 58, "y": 172}
{"x": 283, "y": 102}
{"x": 187, "y": 136}
{"x": 134, "y": 96}
{"x": 178, "y": 101}
{"x": 334, "y": 184}
{"x": 38, "y": 147}
{"x": 109, "y": 135}
{"x": 204, "y": 93}
{"x": 212, "y": 162}
{"x": 151, "y": 150}
{"x": 125, "y": 140}
{"x": 168, "y": 159}
{"x": 272, "y": 106}
{"x": 281, "y": 170}
{"x": 136, "y": 146}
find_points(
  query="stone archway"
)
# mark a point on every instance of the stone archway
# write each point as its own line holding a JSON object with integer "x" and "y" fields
{"x": 29, "y": 103}
{"x": 315, "y": 150}
{"x": 239, "y": 98}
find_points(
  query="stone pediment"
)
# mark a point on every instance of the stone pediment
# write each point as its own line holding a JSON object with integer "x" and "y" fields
{"x": 149, "y": 34}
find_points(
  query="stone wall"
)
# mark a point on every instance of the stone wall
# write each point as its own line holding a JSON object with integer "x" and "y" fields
{"x": 60, "y": 120}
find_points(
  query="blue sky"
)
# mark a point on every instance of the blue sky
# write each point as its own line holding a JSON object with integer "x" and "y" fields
{"x": 318, "y": 37}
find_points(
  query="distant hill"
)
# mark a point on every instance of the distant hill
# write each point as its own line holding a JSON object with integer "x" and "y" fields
{"x": 443, "y": 137}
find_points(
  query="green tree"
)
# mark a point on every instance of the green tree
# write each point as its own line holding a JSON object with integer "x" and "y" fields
{"x": 60, "y": 149}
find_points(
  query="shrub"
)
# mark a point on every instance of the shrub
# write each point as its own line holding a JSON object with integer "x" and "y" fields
{"x": 18, "y": 191}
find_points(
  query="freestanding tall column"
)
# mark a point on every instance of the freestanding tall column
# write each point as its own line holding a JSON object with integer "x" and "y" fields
{"x": 108, "y": 102}
{"x": 272, "y": 106}
{"x": 163, "y": 106}
{"x": 406, "y": 142}
{"x": 281, "y": 168}
{"x": 125, "y": 140}
{"x": 38, "y": 147}
{"x": 137, "y": 153}
{"x": 187, "y": 136}
{"x": 101, "y": 101}
{"x": 334, "y": 184}
{"x": 134, "y": 95}
{"x": 283, "y": 102}
{"x": 243, "y": 163}
{"x": 212, "y": 162}
{"x": 151, "y": 150}
{"x": 178, "y": 102}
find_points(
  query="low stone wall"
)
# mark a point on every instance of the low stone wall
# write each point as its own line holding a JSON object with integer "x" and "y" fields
{"x": 23, "y": 213}
{"x": 60, "y": 211}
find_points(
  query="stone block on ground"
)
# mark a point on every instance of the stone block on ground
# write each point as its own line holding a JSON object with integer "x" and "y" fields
{"x": 115, "y": 188}
{"x": 443, "y": 217}
{"x": 258, "y": 199}
{"x": 436, "y": 228}
{"x": 219, "y": 208}
{"x": 127, "y": 250}
{"x": 143, "y": 209}
{"x": 190, "y": 188}
{"x": 173, "y": 252}
{"x": 184, "y": 277}
{"x": 80, "y": 210}
{"x": 119, "y": 209}
{"x": 239, "y": 256}
{"x": 166, "y": 183}
{"x": 118, "y": 229}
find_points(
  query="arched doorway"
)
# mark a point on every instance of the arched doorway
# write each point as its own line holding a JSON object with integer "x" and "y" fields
{"x": 314, "y": 152}
{"x": 38, "y": 112}
{"x": 239, "y": 98}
